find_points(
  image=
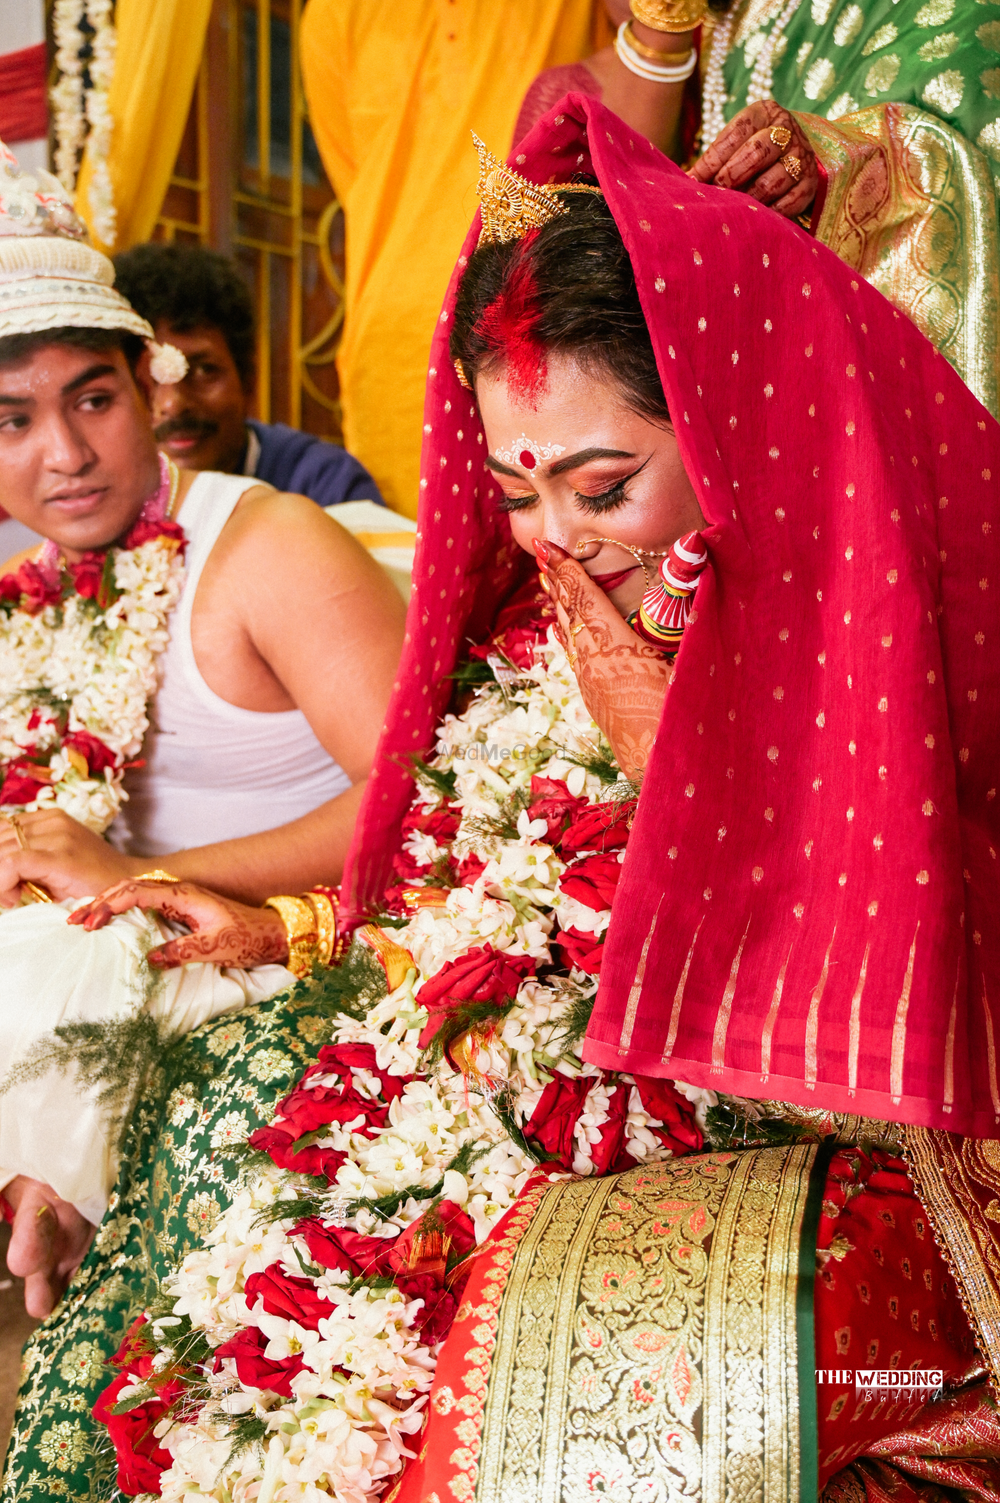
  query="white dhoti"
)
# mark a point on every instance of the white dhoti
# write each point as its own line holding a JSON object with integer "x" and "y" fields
{"x": 53, "y": 973}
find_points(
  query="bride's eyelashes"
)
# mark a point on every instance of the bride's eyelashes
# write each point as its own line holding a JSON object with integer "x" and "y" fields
{"x": 515, "y": 503}
{"x": 609, "y": 500}
{"x": 606, "y": 501}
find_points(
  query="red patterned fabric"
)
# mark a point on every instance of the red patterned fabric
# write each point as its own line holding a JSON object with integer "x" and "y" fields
{"x": 949, "y": 1453}
{"x": 884, "y": 1298}
{"x": 24, "y": 114}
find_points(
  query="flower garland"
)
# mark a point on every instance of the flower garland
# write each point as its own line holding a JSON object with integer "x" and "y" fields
{"x": 80, "y": 99}
{"x": 66, "y": 95}
{"x": 78, "y": 651}
{"x": 306, "y": 1330}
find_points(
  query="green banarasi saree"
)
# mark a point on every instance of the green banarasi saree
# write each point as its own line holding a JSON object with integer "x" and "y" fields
{"x": 901, "y": 103}
{"x": 834, "y": 57}
{"x": 213, "y": 1088}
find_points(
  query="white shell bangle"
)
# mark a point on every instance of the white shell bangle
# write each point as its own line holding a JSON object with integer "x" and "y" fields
{"x": 653, "y": 72}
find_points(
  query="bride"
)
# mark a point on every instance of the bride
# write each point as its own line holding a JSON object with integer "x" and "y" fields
{"x": 694, "y": 1215}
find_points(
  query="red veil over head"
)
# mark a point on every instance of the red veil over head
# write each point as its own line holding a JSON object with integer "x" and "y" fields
{"x": 809, "y": 904}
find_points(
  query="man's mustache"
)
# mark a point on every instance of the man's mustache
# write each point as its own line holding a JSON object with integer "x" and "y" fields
{"x": 184, "y": 428}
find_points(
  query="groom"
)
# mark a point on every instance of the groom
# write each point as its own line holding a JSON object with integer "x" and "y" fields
{"x": 292, "y": 638}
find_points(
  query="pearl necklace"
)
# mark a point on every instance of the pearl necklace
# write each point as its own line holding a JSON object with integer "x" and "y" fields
{"x": 714, "y": 96}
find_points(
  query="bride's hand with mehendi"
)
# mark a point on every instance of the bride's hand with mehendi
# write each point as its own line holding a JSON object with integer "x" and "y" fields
{"x": 764, "y": 152}
{"x": 623, "y": 681}
{"x": 223, "y": 932}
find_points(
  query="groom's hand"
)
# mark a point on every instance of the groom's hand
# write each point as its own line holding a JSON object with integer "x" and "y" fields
{"x": 223, "y": 932}
{"x": 623, "y": 681}
{"x": 59, "y": 854}
{"x": 48, "y": 1241}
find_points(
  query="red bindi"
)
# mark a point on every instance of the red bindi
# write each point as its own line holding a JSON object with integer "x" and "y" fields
{"x": 527, "y": 459}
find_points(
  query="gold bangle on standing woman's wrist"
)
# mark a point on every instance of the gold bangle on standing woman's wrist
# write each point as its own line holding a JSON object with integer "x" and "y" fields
{"x": 669, "y": 15}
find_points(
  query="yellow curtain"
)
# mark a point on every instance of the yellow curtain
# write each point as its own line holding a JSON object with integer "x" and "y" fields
{"x": 394, "y": 88}
{"x": 159, "y": 49}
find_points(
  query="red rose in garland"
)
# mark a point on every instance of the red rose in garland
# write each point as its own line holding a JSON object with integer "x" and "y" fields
{"x": 291, "y": 1298}
{"x": 552, "y": 801}
{"x": 147, "y": 529}
{"x": 96, "y": 755}
{"x": 582, "y": 949}
{"x": 342, "y": 1247}
{"x": 98, "y": 623}
{"x": 680, "y": 1132}
{"x": 312, "y": 1106}
{"x": 88, "y": 576}
{"x": 554, "y": 1119}
{"x": 254, "y": 1368}
{"x": 592, "y": 880}
{"x": 481, "y": 975}
{"x": 20, "y": 785}
{"x": 441, "y": 824}
{"x": 598, "y": 827}
{"x": 609, "y": 1152}
{"x": 140, "y": 1457}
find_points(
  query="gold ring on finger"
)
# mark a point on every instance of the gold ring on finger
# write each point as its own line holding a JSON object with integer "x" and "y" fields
{"x": 780, "y": 135}
{"x": 576, "y": 629}
{"x": 16, "y": 826}
{"x": 792, "y": 166}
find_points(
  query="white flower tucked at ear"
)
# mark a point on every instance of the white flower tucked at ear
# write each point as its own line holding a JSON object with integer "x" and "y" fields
{"x": 167, "y": 365}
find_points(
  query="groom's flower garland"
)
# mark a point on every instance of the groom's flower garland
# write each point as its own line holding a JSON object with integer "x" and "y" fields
{"x": 314, "y": 1334}
{"x": 78, "y": 651}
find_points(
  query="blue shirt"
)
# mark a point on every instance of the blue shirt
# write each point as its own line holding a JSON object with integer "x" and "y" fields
{"x": 308, "y": 466}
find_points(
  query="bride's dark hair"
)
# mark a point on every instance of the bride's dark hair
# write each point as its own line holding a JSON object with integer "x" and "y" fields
{"x": 567, "y": 288}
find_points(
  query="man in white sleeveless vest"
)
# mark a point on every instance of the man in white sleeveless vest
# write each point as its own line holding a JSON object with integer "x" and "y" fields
{"x": 281, "y": 652}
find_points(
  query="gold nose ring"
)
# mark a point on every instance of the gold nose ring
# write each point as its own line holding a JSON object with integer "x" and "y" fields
{"x": 639, "y": 554}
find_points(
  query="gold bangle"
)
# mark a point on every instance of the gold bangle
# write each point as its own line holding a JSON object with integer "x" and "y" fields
{"x": 326, "y": 925}
{"x": 300, "y": 928}
{"x": 157, "y": 874}
{"x": 653, "y": 53}
{"x": 669, "y": 15}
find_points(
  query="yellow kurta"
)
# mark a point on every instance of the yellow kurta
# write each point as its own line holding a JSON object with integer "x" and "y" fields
{"x": 394, "y": 88}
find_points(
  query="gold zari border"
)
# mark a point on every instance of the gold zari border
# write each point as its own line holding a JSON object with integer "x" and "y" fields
{"x": 910, "y": 204}
{"x": 958, "y": 1182}
{"x": 648, "y": 1327}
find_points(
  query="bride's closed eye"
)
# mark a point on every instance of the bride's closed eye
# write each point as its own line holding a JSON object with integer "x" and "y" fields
{"x": 606, "y": 501}
{"x": 515, "y": 503}
{"x": 609, "y": 500}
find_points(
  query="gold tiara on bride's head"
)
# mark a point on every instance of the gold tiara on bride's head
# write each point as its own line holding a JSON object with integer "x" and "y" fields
{"x": 511, "y": 205}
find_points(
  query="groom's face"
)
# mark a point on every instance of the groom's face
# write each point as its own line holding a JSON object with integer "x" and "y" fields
{"x": 77, "y": 454}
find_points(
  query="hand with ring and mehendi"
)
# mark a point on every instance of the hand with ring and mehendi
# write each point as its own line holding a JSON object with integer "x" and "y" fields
{"x": 763, "y": 152}
{"x": 223, "y": 931}
{"x": 622, "y": 680}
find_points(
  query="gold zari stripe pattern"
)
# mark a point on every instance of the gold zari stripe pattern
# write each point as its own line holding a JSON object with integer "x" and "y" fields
{"x": 958, "y": 1182}
{"x": 910, "y": 205}
{"x": 629, "y": 1299}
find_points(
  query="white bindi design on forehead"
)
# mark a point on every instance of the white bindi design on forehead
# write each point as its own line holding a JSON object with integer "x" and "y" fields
{"x": 525, "y": 452}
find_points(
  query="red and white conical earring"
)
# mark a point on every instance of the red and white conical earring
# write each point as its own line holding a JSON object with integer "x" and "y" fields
{"x": 666, "y": 606}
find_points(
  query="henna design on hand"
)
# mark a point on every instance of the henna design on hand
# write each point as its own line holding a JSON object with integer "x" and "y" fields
{"x": 744, "y": 156}
{"x": 622, "y": 679}
{"x": 223, "y": 932}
